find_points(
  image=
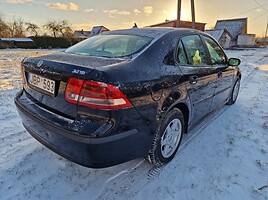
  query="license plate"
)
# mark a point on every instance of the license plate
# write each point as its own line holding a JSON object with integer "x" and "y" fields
{"x": 42, "y": 83}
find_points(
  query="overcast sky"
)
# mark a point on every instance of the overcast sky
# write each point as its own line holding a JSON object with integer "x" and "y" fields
{"x": 116, "y": 14}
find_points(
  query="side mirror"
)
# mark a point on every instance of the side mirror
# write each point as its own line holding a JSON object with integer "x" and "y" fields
{"x": 234, "y": 62}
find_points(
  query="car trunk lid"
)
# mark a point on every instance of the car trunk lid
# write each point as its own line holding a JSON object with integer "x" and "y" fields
{"x": 46, "y": 78}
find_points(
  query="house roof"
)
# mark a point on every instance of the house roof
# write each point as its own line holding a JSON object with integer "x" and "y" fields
{"x": 233, "y": 26}
{"x": 16, "y": 39}
{"x": 249, "y": 35}
{"x": 97, "y": 30}
{"x": 182, "y": 24}
{"x": 217, "y": 33}
{"x": 170, "y": 21}
{"x": 81, "y": 33}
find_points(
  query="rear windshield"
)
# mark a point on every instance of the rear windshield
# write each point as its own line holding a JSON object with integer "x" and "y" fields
{"x": 110, "y": 46}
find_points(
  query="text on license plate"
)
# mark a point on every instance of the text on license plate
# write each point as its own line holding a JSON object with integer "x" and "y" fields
{"x": 42, "y": 83}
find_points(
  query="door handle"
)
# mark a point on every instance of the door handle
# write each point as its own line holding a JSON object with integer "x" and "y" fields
{"x": 219, "y": 74}
{"x": 193, "y": 79}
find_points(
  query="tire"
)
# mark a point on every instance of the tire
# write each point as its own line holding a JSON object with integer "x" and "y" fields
{"x": 166, "y": 140}
{"x": 234, "y": 93}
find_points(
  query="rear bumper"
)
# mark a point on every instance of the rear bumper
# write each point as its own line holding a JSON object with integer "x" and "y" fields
{"x": 84, "y": 150}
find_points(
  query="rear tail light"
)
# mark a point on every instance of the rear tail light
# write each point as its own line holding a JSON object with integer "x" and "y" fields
{"x": 95, "y": 95}
{"x": 73, "y": 90}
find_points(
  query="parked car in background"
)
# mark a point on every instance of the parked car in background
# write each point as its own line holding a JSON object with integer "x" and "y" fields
{"x": 125, "y": 94}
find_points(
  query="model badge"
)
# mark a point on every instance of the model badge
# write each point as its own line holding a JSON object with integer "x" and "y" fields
{"x": 40, "y": 63}
{"x": 77, "y": 71}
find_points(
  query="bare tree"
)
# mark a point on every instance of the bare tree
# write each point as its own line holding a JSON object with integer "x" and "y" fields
{"x": 53, "y": 26}
{"x": 4, "y": 28}
{"x": 65, "y": 28}
{"x": 17, "y": 28}
{"x": 32, "y": 28}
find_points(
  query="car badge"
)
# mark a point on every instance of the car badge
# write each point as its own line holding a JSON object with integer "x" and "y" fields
{"x": 40, "y": 63}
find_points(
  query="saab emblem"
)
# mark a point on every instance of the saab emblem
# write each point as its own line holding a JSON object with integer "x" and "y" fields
{"x": 40, "y": 63}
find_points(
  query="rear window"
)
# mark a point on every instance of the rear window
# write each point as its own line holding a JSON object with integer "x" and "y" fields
{"x": 110, "y": 46}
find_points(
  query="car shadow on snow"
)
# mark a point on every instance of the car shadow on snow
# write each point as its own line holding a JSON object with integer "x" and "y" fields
{"x": 43, "y": 174}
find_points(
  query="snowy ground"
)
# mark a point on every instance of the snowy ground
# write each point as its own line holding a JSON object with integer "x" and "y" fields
{"x": 226, "y": 157}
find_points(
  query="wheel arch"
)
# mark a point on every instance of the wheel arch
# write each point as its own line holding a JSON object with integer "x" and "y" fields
{"x": 172, "y": 102}
{"x": 185, "y": 112}
{"x": 238, "y": 74}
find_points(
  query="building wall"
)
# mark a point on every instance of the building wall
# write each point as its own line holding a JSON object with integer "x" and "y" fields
{"x": 246, "y": 40}
{"x": 234, "y": 41}
{"x": 225, "y": 40}
{"x": 245, "y": 29}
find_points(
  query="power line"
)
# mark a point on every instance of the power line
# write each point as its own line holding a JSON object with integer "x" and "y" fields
{"x": 252, "y": 9}
{"x": 261, "y": 6}
{"x": 259, "y": 16}
{"x": 249, "y": 10}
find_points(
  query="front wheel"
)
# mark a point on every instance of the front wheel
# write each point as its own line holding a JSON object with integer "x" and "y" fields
{"x": 167, "y": 138}
{"x": 234, "y": 93}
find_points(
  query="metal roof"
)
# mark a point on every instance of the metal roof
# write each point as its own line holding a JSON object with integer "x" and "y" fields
{"x": 217, "y": 33}
{"x": 97, "y": 30}
{"x": 16, "y": 39}
{"x": 233, "y": 26}
{"x": 82, "y": 33}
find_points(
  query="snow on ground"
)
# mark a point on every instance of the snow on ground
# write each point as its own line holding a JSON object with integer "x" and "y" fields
{"x": 226, "y": 157}
{"x": 9, "y": 66}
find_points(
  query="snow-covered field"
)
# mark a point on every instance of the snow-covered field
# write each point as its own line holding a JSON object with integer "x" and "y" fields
{"x": 226, "y": 157}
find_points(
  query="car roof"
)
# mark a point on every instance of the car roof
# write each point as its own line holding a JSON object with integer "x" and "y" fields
{"x": 149, "y": 32}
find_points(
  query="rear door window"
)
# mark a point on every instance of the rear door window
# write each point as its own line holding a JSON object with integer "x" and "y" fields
{"x": 217, "y": 55}
{"x": 182, "y": 57}
{"x": 195, "y": 53}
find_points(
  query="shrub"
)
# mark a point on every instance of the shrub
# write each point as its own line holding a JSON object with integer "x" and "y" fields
{"x": 45, "y": 42}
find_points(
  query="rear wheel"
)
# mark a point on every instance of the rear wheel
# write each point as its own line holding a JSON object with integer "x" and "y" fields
{"x": 234, "y": 93}
{"x": 167, "y": 138}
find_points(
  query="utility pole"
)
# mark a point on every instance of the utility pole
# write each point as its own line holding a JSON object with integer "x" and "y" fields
{"x": 265, "y": 37}
{"x": 178, "y": 13}
{"x": 193, "y": 14}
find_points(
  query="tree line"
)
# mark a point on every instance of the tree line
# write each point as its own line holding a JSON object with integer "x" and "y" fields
{"x": 19, "y": 28}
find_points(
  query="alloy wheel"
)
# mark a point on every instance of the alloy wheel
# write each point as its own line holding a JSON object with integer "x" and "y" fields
{"x": 171, "y": 138}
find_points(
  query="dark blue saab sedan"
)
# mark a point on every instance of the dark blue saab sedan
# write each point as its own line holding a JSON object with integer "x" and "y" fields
{"x": 125, "y": 94}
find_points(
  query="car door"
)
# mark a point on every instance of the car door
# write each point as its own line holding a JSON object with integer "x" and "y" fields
{"x": 225, "y": 73}
{"x": 198, "y": 75}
